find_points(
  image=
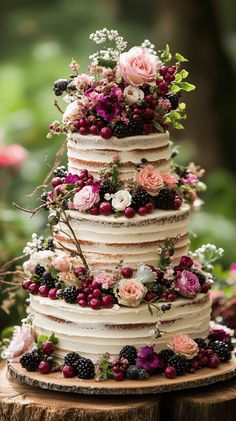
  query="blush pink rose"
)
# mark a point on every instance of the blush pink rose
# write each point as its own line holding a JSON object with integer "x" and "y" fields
{"x": 169, "y": 180}
{"x": 12, "y": 156}
{"x": 138, "y": 66}
{"x": 184, "y": 345}
{"x": 150, "y": 179}
{"x": 105, "y": 280}
{"x": 83, "y": 81}
{"x": 188, "y": 284}
{"x": 86, "y": 198}
{"x": 129, "y": 292}
{"x": 21, "y": 342}
{"x": 61, "y": 262}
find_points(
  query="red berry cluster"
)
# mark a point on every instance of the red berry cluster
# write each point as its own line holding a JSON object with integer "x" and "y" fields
{"x": 34, "y": 288}
{"x": 90, "y": 293}
{"x": 92, "y": 126}
{"x": 119, "y": 367}
{"x": 168, "y": 76}
{"x": 205, "y": 358}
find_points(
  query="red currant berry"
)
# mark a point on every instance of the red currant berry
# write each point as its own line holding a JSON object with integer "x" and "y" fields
{"x": 163, "y": 86}
{"x": 95, "y": 304}
{"x": 25, "y": 284}
{"x": 205, "y": 288}
{"x": 81, "y": 296}
{"x": 94, "y": 211}
{"x": 195, "y": 365}
{"x": 107, "y": 301}
{"x": 83, "y": 130}
{"x": 170, "y": 372}
{"x": 149, "y": 206}
{"x": 44, "y": 367}
{"x": 129, "y": 212}
{"x": 142, "y": 211}
{"x": 43, "y": 291}
{"x": 76, "y": 124}
{"x": 80, "y": 271}
{"x": 119, "y": 376}
{"x": 171, "y": 297}
{"x": 135, "y": 117}
{"x": 105, "y": 208}
{"x": 213, "y": 362}
{"x": 116, "y": 369}
{"x": 149, "y": 98}
{"x": 177, "y": 202}
{"x": 58, "y": 190}
{"x": 192, "y": 370}
{"x": 94, "y": 130}
{"x": 150, "y": 296}
{"x": 82, "y": 303}
{"x": 56, "y": 181}
{"x": 48, "y": 347}
{"x": 172, "y": 70}
{"x": 127, "y": 272}
{"x": 53, "y": 294}
{"x": 84, "y": 173}
{"x": 163, "y": 70}
{"x": 96, "y": 293}
{"x": 95, "y": 285}
{"x": 33, "y": 288}
{"x": 106, "y": 132}
{"x": 68, "y": 371}
{"x": 82, "y": 122}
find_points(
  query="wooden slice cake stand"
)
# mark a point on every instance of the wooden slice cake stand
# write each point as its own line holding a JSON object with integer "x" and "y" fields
{"x": 153, "y": 385}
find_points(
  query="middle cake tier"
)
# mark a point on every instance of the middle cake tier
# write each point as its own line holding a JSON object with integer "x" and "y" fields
{"x": 106, "y": 240}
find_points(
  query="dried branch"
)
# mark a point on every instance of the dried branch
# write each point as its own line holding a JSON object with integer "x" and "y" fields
{"x": 58, "y": 107}
{"x": 10, "y": 262}
{"x": 29, "y": 210}
{"x": 57, "y": 161}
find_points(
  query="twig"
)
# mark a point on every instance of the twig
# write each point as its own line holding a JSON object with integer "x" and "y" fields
{"x": 16, "y": 284}
{"x": 57, "y": 161}
{"x": 13, "y": 272}
{"x": 58, "y": 107}
{"x": 28, "y": 210}
{"x": 10, "y": 262}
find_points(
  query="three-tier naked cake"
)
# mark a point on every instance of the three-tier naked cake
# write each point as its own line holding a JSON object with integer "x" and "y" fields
{"x": 115, "y": 288}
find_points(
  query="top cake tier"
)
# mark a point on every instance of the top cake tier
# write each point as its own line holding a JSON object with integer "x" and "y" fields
{"x": 95, "y": 153}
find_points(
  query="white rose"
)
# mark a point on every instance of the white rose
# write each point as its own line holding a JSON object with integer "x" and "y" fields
{"x": 72, "y": 110}
{"x": 42, "y": 258}
{"x": 133, "y": 94}
{"x": 121, "y": 200}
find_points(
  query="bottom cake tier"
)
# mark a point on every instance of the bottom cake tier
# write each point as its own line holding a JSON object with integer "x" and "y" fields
{"x": 93, "y": 333}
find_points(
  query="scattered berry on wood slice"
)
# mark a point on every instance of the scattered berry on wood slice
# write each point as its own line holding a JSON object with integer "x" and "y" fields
{"x": 72, "y": 358}
{"x": 119, "y": 376}
{"x": 130, "y": 353}
{"x": 170, "y": 372}
{"x": 68, "y": 371}
{"x": 221, "y": 349}
{"x": 30, "y": 361}
{"x": 213, "y": 362}
{"x": 44, "y": 367}
{"x": 136, "y": 373}
{"x": 48, "y": 347}
{"x": 85, "y": 368}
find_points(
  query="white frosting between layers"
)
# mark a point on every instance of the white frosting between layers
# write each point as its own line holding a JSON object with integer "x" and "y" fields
{"x": 106, "y": 240}
{"x": 94, "y": 152}
{"x": 92, "y": 333}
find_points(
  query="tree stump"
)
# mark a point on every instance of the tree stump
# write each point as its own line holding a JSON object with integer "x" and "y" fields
{"x": 19, "y": 402}
{"x": 214, "y": 403}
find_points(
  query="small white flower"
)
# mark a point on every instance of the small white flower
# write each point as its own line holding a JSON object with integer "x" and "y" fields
{"x": 121, "y": 200}
{"x": 108, "y": 196}
{"x": 145, "y": 274}
{"x": 133, "y": 94}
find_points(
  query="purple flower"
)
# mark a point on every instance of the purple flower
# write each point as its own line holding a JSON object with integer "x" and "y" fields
{"x": 219, "y": 335}
{"x": 148, "y": 359}
{"x": 106, "y": 109}
{"x": 71, "y": 179}
{"x": 188, "y": 284}
{"x": 116, "y": 94}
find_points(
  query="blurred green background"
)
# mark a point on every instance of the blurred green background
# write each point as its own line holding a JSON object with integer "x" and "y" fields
{"x": 38, "y": 40}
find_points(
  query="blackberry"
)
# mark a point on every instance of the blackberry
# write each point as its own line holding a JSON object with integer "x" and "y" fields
{"x": 30, "y": 361}
{"x": 85, "y": 368}
{"x": 60, "y": 172}
{"x": 174, "y": 100}
{"x": 72, "y": 359}
{"x": 157, "y": 288}
{"x": 201, "y": 277}
{"x": 39, "y": 270}
{"x": 166, "y": 355}
{"x": 50, "y": 244}
{"x": 179, "y": 363}
{"x": 44, "y": 196}
{"x": 60, "y": 86}
{"x": 130, "y": 353}
{"x": 120, "y": 129}
{"x": 165, "y": 199}
{"x": 221, "y": 349}
{"x": 70, "y": 294}
{"x": 106, "y": 188}
{"x": 136, "y": 373}
{"x": 201, "y": 343}
{"x": 48, "y": 280}
{"x": 140, "y": 198}
{"x": 60, "y": 293}
{"x": 135, "y": 127}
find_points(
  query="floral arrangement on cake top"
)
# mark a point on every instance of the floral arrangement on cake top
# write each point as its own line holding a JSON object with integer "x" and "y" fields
{"x": 52, "y": 273}
{"x": 124, "y": 93}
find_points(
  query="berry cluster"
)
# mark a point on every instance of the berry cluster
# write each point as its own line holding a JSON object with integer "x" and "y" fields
{"x": 40, "y": 358}
{"x": 43, "y": 283}
{"x": 75, "y": 365}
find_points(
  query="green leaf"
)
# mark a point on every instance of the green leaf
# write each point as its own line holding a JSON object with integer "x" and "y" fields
{"x": 52, "y": 338}
{"x": 106, "y": 63}
{"x": 158, "y": 126}
{"x": 150, "y": 309}
{"x": 187, "y": 86}
{"x": 176, "y": 115}
{"x": 166, "y": 55}
{"x": 41, "y": 339}
{"x": 182, "y": 106}
{"x": 175, "y": 88}
{"x": 117, "y": 215}
{"x": 184, "y": 73}
{"x": 178, "y": 126}
{"x": 178, "y": 77}
{"x": 180, "y": 58}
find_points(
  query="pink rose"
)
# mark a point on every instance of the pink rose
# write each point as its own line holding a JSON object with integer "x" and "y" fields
{"x": 105, "y": 280}
{"x": 188, "y": 284}
{"x": 169, "y": 180}
{"x": 129, "y": 292}
{"x": 86, "y": 198}
{"x": 184, "y": 345}
{"x": 12, "y": 156}
{"x": 21, "y": 342}
{"x": 150, "y": 179}
{"x": 61, "y": 262}
{"x": 138, "y": 66}
{"x": 83, "y": 81}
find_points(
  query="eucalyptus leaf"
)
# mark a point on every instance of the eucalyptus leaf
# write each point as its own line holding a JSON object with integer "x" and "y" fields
{"x": 175, "y": 88}
{"x": 178, "y": 77}
{"x": 182, "y": 106}
{"x": 166, "y": 55}
{"x": 180, "y": 58}
{"x": 184, "y": 73}
{"x": 186, "y": 86}
{"x": 158, "y": 126}
{"x": 106, "y": 63}
{"x": 178, "y": 125}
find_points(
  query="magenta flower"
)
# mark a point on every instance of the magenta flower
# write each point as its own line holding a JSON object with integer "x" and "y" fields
{"x": 106, "y": 109}
{"x": 185, "y": 263}
{"x": 71, "y": 179}
{"x": 148, "y": 359}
